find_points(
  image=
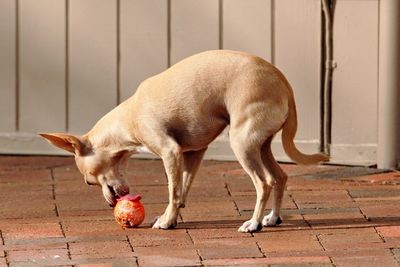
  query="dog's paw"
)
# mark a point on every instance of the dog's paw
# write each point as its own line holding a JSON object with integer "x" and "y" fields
{"x": 250, "y": 226}
{"x": 271, "y": 220}
{"x": 163, "y": 224}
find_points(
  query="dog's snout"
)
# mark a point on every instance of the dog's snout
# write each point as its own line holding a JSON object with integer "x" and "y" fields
{"x": 121, "y": 190}
{"x": 89, "y": 180}
{"x": 89, "y": 183}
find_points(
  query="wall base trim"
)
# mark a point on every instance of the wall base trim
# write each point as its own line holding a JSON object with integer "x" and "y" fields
{"x": 359, "y": 154}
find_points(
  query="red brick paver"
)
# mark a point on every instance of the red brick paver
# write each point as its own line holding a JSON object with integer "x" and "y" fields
{"x": 332, "y": 217}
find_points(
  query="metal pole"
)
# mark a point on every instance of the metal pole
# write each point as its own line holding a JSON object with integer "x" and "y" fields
{"x": 328, "y": 8}
{"x": 388, "y": 153}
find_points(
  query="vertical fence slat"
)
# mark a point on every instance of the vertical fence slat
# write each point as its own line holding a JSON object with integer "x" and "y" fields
{"x": 92, "y": 61}
{"x": 42, "y": 65}
{"x": 7, "y": 65}
{"x": 247, "y": 26}
{"x": 194, "y": 27}
{"x": 298, "y": 55}
{"x": 355, "y": 81}
{"x": 143, "y": 38}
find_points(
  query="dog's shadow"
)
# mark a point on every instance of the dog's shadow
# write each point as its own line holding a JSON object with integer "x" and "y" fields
{"x": 296, "y": 225}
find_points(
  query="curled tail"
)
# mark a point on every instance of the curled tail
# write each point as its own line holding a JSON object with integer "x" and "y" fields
{"x": 289, "y": 131}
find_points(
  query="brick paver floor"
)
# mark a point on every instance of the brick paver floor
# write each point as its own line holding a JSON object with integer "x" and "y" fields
{"x": 333, "y": 216}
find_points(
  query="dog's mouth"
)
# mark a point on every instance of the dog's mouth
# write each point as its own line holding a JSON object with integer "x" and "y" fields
{"x": 114, "y": 195}
{"x": 115, "y": 192}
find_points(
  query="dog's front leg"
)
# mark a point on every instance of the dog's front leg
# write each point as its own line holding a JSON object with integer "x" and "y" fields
{"x": 173, "y": 161}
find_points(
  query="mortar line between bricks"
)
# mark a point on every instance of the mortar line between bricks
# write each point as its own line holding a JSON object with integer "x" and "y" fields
{"x": 53, "y": 188}
{"x": 6, "y": 257}
{"x": 2, "y": 238}
{"x": 130, "y": 244}
{"x": 293, "y": 200}
{"x": 394, "y": 255}
{"x": 197, "y": 251}
{"x": 259, "y": 248}
{"x": 319, "y": 241}
{"x": 68, "y": 248}
{"x": 132, "y": 249}
{"x": 324, "y": 249}
{"x": 5, "y": 252}
{"x": 380, "y": 237}
{"x": 352, "y": 199}
{"x": 230, "y": 195}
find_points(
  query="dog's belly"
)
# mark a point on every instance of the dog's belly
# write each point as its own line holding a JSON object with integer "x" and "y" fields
{"x": 199, "y": 134}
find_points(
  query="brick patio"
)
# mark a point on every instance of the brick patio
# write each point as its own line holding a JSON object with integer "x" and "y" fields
{"x": 333, "y": 216}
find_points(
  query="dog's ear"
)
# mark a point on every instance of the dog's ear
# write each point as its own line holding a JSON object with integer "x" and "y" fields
{"x": 67, "y": 142}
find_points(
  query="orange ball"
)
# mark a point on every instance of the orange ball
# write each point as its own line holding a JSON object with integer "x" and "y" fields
{"x": 129, "y": 212}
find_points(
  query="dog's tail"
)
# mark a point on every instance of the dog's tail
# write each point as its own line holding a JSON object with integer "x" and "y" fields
{"x": 289, "y": 131}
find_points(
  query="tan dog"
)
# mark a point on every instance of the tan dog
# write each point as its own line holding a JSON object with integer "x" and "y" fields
{"x": 178, "y": 113}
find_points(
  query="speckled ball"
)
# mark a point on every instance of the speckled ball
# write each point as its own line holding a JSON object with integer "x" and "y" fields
{"x": 129, "y": 212}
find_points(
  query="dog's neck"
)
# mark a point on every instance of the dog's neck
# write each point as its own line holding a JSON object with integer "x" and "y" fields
{"x": 113, "y": 132}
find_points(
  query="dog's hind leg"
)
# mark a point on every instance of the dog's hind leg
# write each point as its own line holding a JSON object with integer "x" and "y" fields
{"x": 274, "y": 218}
{"x": 249, "y": 156}
{"x": 192, "y": 161}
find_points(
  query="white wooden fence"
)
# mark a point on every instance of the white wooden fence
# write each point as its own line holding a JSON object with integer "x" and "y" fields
{"x": 65, "y": 63}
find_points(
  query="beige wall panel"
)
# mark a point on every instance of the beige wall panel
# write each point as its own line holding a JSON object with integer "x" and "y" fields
{"x": 355, "y": 81}
{"x": 194, "y": 27}
{"x": 297, "y": 55}
{"x": 247, "y": 26}
{"x": 7, "y": 65}
{"x": 144, "y": 50}
{"x": 42, "y": 65}
{"x": 92, "y": 61}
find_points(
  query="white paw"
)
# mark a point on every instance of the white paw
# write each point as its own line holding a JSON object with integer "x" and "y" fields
{"x": 271, "y": 220}
{"x": 161, "y": 224}
{"x": 250, "y": 226}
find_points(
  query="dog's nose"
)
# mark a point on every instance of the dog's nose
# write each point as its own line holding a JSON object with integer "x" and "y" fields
{"x": 121, "y": 190}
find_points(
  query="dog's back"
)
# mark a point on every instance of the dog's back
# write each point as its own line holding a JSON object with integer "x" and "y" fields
{"x": 220, "y": 85}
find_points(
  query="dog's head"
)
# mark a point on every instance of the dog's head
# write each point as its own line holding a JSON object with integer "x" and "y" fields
{"x": 99, "y": 166}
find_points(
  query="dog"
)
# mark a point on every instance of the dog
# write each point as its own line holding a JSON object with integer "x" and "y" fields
{"x": 179, "y": 112}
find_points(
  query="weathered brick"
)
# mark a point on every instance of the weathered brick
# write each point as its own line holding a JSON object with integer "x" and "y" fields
{"x": 114, "y": 262}
{"x": 33, "y": 162}
{"x": 153, "y": 238}
{"x": 381, "y": 178}
{"x": 245, "y": 203}
{"x": 35, "y": 256}
{"x": 320, "y": 196}
{"x": 377, "y": 211}
{"x": 31, "y": 231}
{"x": 228, "y": 248}
{"x": 365, "y": 261}
{"x": 350, "y": 239}
{"x": 3, "y": 262}
{"x": 216, "y": 233}
{"x": 335, "y": 219}
{"x": 93, "y": 201}
{"x": 36, "y": 244}
{"x": 389, "y": 231}
{"x": 162, "y": 256}
{"x": 272, "y": 261}
{"x": 100, "y": 249}
{"x": 374, "y": 192}
{"x": 293, "y": 241}
{"x": 93, "y": 228}
{"x": 25, "y": 176}
{"x": 208, "y": 209}
{"x": 396, "y": 253}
